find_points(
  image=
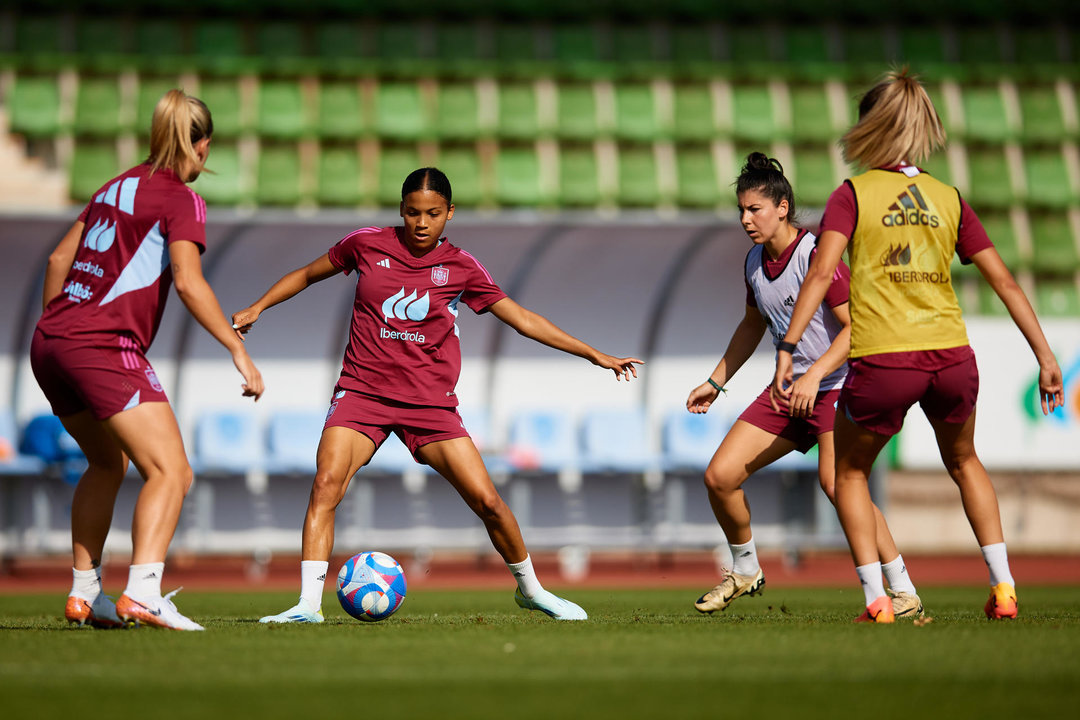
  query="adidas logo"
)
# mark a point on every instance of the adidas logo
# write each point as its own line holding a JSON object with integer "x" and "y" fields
{"x": 789, "y": 301}
{"x": 321, "y": 578}
{"x": 385, "y": 262}
{"x": 899, "y": 255}
{"x": 910, "y": 208}
{"x": 151, "y": 576}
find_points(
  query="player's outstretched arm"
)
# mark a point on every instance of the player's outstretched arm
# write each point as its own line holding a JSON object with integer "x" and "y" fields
{"x": 60, "y": 260}
{"x": 199, "y": 299}
{"x": 744, "y": 340}
{"x": 289, "y": 285}
{"x": 542, "y": 330}
{"x": 996, "y": 273}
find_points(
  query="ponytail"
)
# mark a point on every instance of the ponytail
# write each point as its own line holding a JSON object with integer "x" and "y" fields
{"x": 897, "y": 122}
{"x": 179, "y": 122}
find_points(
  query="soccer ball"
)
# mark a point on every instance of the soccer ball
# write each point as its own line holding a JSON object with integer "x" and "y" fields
{"x": 371, "y": 586}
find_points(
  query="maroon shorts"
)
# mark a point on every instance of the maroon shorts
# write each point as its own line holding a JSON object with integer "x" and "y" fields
{"x": 415, "y": 425}
{"x": 877, "y": 398}
{"x": 104, "y": 374}
{"x": 803, "y": 432}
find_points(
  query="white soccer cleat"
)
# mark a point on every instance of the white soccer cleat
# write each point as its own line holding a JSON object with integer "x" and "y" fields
{"x": 905, "y": 604}
{"x": 155, "y": 612}
{"x": 551, "y": 605}
{"x": 298, "y": 613}
{"x": 99, "y": 613}
{"x": 731, "y": 587}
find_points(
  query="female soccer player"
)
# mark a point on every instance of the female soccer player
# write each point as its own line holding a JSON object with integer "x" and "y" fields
{"x": 774, "y": 270}
{"x": 399, "y": 373}
{"x": 908, "y": 339}
{"x": 105, "y": 290}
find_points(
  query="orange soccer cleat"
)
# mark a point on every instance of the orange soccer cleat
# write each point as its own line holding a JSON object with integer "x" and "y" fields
{"x": 1002, "y": 604}
{"x": 100, "y": 613}
{"x": 879, "y": 611}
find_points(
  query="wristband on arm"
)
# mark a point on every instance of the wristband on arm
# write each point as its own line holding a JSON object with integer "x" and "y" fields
{"x": 787, "y": 347}
{"x": 717, "y": 387}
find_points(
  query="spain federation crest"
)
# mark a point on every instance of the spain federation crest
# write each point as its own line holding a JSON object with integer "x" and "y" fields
{"x": 440, "y": 275}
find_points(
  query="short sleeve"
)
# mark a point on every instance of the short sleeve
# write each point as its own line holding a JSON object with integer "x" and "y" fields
{"x": 971, "y": 237}
{"x": 85, "y": 213}
{"x": 841, "y": 212}
{"x": 481, "y": 291}
{"x": 839, "y": 291}
{"x": 345, "y": 255}
{"x": 185, "y": 218}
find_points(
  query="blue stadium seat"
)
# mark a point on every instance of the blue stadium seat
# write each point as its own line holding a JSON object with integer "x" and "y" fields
{"x": 12, "y": 461}
{"x": 391, "y": 457}
{"x": 542, "y": 440}
{"x": 293, "y": 439}
{"x": 616, "y": 441}
{"x": 689, "y": 440}
{"x": 228, "y": 442}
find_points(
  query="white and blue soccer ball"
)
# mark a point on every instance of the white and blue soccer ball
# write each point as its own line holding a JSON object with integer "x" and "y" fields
{"x": 371, "y": 586}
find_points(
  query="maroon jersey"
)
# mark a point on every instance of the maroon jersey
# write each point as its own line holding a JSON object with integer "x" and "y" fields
{"x": 403, "y": 343}
{"x": 120, "y": 279}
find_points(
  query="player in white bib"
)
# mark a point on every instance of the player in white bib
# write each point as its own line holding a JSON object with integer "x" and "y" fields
{"x": 773, "y": 426}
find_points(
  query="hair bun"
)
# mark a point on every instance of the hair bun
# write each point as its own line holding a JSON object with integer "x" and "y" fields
{"x": 761, "y": 161}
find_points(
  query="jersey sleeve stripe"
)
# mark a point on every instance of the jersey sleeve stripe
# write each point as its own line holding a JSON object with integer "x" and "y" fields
{"x": 480, "y": 265}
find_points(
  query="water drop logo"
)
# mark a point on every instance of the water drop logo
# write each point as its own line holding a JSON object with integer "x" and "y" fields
{"x": 406, "y": 307}
{"x": 100, "y": 236}
{"x": 1070, "y": 412}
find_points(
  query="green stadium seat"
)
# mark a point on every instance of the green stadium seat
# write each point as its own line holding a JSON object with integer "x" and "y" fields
{"x": 398, "y": 41}
{"x": 937, "y": 97}
{"x": 218, "y": 39}
{"x": 694, "y": 119}
{"x": 574, "y": 44}
{"x": 984, "y": 114}
{"x": 979, "y": 45}
{"x": 341, "y": 40}
{"x": 279, "y": 39}
{"x": 283, "y": 110}
{"x": 1041, "y": 113}
{"x": 865, "y": 45}
{"x": 339, "y": 182}
{"x": 223, "y": 182}
{"x": 98, "y": 107}
{"x": 1047, "y": 174}
{"x": 36, "y": 35}
{"x": 278, "y": 176}
{"x": 811, "y": 120}
{"x": 937, "y": 165}
{"x": 222, "y": 96}
{"x": 462, "y": 167}
{"x": 753, "y": 113}
{"x": 395, "y": 163}
{"x": 638, "y": 185}
{"x": 697, "y": 179}
{"x": 151, "y": 89}
{"x": 341, "y": 110}
{"x": 814, "y": 179}
{"x": 1034, "y": 45}
{"x": 457, "y": 42}
{"x": 518, "y": 113}
{"x": 401, "y": 113}
{"x": 517, "y": 177}
{"x": 921, "y": 44}
{"x": 1053, "y": 244}
{"x": 34, "y": 105}
{"x": 634, "y": 44}
{"x": 579, "y": 181}
{"x": 1057, "y": 296}
{"x": 989, "y": 303}
{"x": 809, "y": 44}
{"x": 92, "y": 165}
{"x": 999, "y": 228}
{"x": 577, "y": 112}
{"x": 635, "y": 112}
{"x": 97, "y": 36}
{"x": 691, "y": 44}
{"x": 458, "y": 111}
{"x": 988, "y": 171}
{"x": 751, "y": 42}
{"x": 515, "y": 43}
{"x": 156, "y": 36}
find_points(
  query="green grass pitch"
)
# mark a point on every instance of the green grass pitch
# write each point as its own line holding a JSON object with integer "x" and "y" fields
{"x": 790, "y": 653}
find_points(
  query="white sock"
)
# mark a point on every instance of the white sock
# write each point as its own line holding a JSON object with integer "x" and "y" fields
{"x": 896, "y": 575}
{"x": 86, "y": 583}
{"x": 312, "y": 579}
{"x": 997, "y": 560}
{"x": 872, "y": 585}
{"x": 144, "y": 581}
{"x": 746, "y": 559}
{"x": 526, "y": 577}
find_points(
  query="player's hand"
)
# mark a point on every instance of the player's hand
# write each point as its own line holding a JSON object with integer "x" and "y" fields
{"x": 622, "y": 367}
{"x": 243, "y": 321}
{"x": 1051, "y": 388}
{"x": 803, "y": 393}
{"x": 780, "y": 390}
{"x": 701, "y": 398}
{"x": 253, "y": 382}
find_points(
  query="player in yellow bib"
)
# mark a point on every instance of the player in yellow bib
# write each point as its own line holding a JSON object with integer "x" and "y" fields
{"x": 908, "y": 341}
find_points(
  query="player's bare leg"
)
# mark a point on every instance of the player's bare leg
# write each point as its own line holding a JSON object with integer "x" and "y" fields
{"x": 460, "y": 463}
{"x": 342, "y": 452}
{"x": 91, "y": 517}
{"x": 956, "y": 441}
{"x": 745, "y": 450}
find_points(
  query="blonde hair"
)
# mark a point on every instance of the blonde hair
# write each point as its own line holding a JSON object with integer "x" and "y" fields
{"x": 179, "y": 122}
{"x": 897, "y": 121}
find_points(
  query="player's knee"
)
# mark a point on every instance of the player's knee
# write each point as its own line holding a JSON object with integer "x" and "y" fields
{"x": 719, "y": 481}
{"x": 327, "y": 489}
{"x": 489, "y": 505}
